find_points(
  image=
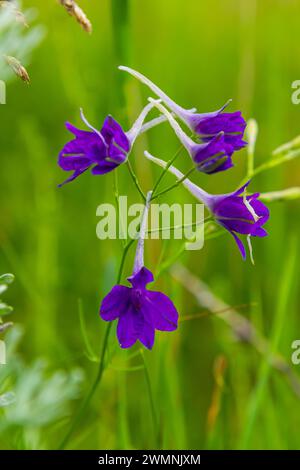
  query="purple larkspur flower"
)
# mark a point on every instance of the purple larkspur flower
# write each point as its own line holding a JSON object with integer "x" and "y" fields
{"x": 103, "y": 150}
{"x": 206, "y": 125}
{"x": 236, "y": 212}
{"x": 139, "y": 311}
{"x": 209, "y": 157}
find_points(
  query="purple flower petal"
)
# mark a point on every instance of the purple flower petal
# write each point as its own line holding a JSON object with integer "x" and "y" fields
{"x": 164, "y": 313}
{"x": 103, "y": 168}
{"x": 233, "y": 207}
{"x": 78, "y": 132}
{"x": 202, "y": 152}
{"x": 261, "y": 210}
{"x": 212, "y": 156}
{"x": 235, "y": 215}
{"x": 259, "y": 232}
{"x": 115, "y": 303}
{"x": 147, "y": 333}
{"x": 141, "y": 279}
{"x": 241, "y": 189}
{"x": 215, "y": 165}
{"x": 208, "y": 125}
{"x": 72, "y": 177}
{"x": 90, "y": 146}
{"x": 235, "y": 141}
{"x": 113, "y": 132}
{"x": 213, "y": 123}
{"x": 76, "y": 162}
{"x": 140, "y": 311}
{"x": 103, "y": 151}
{"x": 232, "y": 212}
{"x": 240, "y": 245}
{"x": 130, "y": 327}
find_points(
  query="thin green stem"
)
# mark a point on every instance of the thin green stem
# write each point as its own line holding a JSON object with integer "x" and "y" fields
{"x": 89, "y": 350}
{"x": 165, "y": 265}
{"x": 163, "y": 173}
{"x": 151, "y": 400}
{"x": 101, "y": 367}
{"x": 125, "y": 251}
{"x": 135, "y": 180}
{"x": 272, "y": 164}
{"x": 175, "y": 185}
{"x": 250, "y": 166}
{"x": 93, "y": 389}
{"x": 116, "y": 189}
{"x": 251, "y": 131}
{"x": 177, "y": 227}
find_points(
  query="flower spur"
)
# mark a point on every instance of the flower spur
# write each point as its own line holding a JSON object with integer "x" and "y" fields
{"x": 206, "y": 125}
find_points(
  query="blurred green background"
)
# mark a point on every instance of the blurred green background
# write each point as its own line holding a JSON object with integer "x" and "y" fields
{"x": 209, "y": 389}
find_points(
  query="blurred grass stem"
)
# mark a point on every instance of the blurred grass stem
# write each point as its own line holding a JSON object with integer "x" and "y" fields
{"x": 101, "y": 368}
{"x": 151, "y": 400}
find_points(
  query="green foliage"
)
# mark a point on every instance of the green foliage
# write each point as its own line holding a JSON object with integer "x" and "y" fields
{"x": 17, "y": 39}
{"x": 5, "y": 309}
{"x": 33, "y": 397}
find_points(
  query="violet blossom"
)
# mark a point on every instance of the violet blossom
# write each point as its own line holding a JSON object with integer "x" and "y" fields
{"x": 103, "y": 150}
{"x": 206, "y": 125}
{"x": 210, "y": 157}
{"x": 139, "y": 311}
{"x": 236, "y": 212}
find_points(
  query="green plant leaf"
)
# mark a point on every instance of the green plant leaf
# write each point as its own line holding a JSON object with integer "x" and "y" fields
{"x": 6, "y": 279}
{"x": 5, "y": 309}
{"x": 7, "y": 399}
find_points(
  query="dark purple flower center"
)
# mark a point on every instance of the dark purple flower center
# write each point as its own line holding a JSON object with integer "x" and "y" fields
{"x": 137, "y": 297}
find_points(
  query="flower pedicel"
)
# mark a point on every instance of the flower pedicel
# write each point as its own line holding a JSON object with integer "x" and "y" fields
{"x": 139, "y": 311}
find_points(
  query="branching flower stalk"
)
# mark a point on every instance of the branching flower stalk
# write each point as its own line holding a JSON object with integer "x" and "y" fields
{"x": 236, "y": 212}
{"x": 139, "y": 311}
